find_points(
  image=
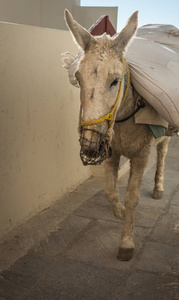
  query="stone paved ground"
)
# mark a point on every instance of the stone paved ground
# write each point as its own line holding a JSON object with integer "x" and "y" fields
{"x": 78, "y": 260}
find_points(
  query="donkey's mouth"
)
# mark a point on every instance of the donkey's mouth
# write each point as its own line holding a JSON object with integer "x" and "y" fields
{"x": 94, "y": 147}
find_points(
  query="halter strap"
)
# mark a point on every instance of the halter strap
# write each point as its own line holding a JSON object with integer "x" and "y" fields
{"x": 110, "y": 116}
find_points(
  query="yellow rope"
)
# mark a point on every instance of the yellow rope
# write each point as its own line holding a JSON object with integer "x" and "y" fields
{"x": 110, "y": 116}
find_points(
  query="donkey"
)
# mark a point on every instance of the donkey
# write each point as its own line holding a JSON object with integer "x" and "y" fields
{"x": 105, "y": 99}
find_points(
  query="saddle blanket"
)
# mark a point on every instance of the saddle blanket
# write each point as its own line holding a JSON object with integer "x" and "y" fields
{"x": 153, "y": 58}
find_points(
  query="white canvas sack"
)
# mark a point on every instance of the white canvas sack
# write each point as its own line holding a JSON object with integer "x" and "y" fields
{"x": 155, "y": 69}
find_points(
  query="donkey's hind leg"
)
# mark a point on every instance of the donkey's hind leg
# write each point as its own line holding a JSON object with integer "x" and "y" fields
{"x": 111, "y": 189}
{"x": 162, "y": 149}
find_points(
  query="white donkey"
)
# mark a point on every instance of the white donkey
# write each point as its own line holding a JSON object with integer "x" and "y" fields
{"x": 107, "y": 96}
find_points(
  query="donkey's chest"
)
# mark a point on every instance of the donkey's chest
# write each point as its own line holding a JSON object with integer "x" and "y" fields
{"x": 130, "y": 139}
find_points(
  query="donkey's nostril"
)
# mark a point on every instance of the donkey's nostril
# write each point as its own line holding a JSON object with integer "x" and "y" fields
{"x": 88, "y": 152}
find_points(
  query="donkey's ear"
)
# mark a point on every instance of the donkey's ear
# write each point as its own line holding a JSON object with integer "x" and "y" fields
{"x": 81, "y": 35}
{"x": 122, "y": 39}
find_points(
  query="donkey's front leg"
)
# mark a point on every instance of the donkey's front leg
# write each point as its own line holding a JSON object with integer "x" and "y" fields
{"x": 132, "y": 195}
{"x": 111, "y": 189}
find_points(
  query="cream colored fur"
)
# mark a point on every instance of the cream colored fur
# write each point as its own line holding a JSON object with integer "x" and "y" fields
{"x": 100, "y": 65}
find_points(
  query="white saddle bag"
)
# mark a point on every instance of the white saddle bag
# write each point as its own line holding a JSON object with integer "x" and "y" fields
{"x": 155, "y": 69}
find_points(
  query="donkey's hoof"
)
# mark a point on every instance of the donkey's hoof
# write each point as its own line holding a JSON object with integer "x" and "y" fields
{"x": 119, "y": 212}
{"x": 125, "y": 254}
{"x": 157, "y": 194}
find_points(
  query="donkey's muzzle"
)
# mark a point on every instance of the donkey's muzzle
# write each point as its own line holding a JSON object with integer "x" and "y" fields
{"x": 94, "y": 147}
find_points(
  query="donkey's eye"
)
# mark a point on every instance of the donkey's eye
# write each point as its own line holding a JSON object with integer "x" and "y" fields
{"x": 114, "y": 83}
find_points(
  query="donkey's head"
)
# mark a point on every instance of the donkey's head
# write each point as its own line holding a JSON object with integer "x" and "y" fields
{"x": 100, "y": 75}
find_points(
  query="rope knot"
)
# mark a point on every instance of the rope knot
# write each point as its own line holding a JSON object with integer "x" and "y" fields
{"x": 110, "y": 118}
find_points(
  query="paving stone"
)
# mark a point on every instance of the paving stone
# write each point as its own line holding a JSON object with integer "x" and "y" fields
{"x": 17, "y": 280}
{"x": 158, "y": 257}
{"x": 99, "y": 245}
{"x": 172, "y": 236}
{"x": 74, "y": 280}
{"x": 97, "y": 208}
{"x": 175, "y": 200}
{"x": 174, "y": 209}
{"x": 149, "y": 286}
{"x": 56, "y": 242}
{"x": 146, "y": 216}
{"x": 167, "y": 230}
{"x": 173, "y": 147}
{"x": 170, "y": 183}
{"x": 10, "y": 290}
{"x": 171, "y": 162}
{"x": 96, "y": 185}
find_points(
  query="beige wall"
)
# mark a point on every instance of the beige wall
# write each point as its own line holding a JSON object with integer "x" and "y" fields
{"x": 87, "y": 16}
{"x": 39, "y": 148}
{"x": 50, "y": 13}
{"x": 44, "y": 13}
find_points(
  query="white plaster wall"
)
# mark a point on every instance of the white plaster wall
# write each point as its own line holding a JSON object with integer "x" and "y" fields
{"x": 39, "y": 149}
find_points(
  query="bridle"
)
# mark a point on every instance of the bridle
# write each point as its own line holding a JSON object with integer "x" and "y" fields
{"x": 99, "y": 148}
{"x": 110, "y": 117}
